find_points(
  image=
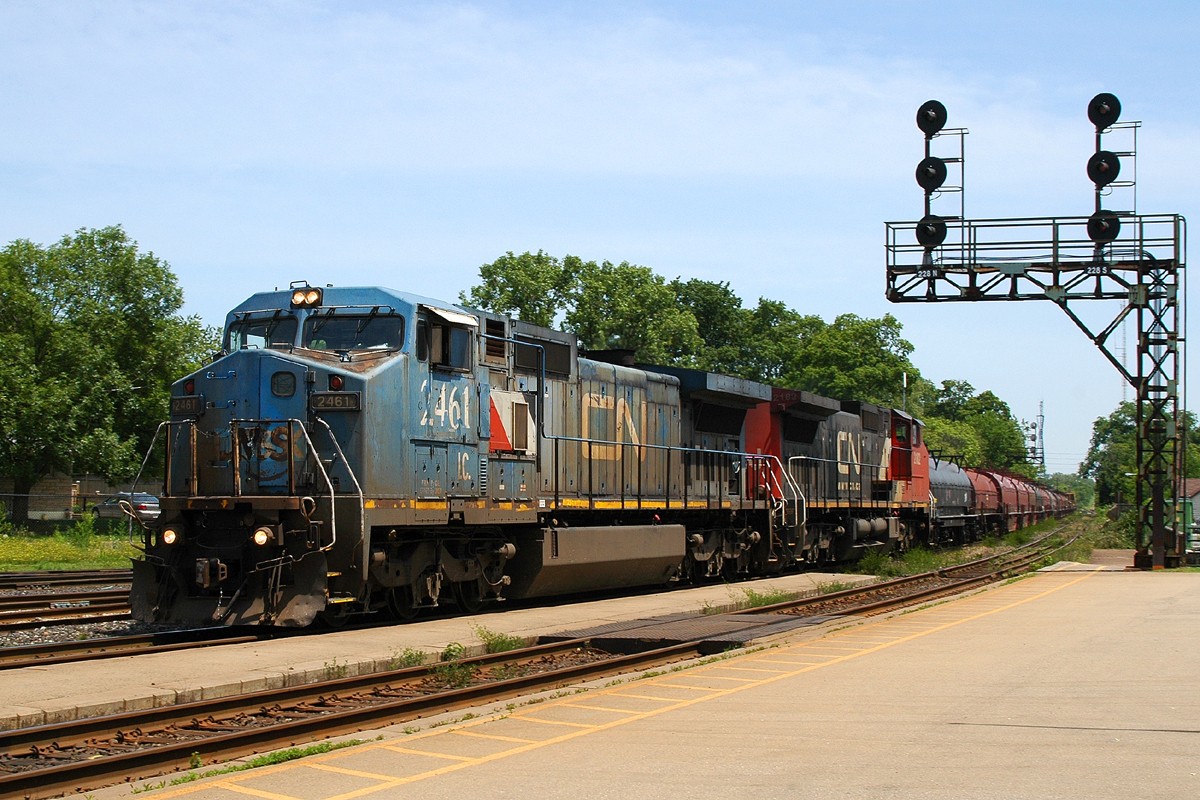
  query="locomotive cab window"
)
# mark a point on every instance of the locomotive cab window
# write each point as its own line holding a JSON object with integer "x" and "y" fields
{"x": 445, "y": 339}
{"x": 373, "y": 331}
{"x": 256, "y": 334}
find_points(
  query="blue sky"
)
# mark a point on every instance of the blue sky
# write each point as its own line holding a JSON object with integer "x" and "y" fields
{"x": 760, "y": 143}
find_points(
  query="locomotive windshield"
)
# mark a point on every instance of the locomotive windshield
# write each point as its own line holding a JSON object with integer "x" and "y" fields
{"x": 260, "y": 333}
{"x": 329, "y": 331}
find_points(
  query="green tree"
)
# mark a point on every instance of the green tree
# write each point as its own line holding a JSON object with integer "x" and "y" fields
{"x": 954, "y": 438}
{"x": 627, "y": 306}
{"x": 857, "y": 358}
{"x": 91, "y": 340}
{"x": 726, "y": 329}
{"x": 534, "y": 287}
{"x": 1083, "y": 489}
{"x": 995, "y": 439}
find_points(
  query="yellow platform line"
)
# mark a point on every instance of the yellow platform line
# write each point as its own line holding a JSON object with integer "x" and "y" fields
{"x": 410, "y": 751}
{"x": 586, "y": 730}
{"x": 648, "y": 697}
{"x": 688, "y": 687}
{"x": 556, "y": 722}
{"x": 496, "y": 737}
{"x": 587, "y": 707}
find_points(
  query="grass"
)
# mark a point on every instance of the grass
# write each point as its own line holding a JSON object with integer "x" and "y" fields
{"x": 270, "y": 759}
{"x": 494, "y": 642}
{"x": 82, "y": 545}
{"x": 757, "y": 599}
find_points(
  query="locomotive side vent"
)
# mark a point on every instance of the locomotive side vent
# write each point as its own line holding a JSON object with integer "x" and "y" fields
{"x": 483, "y": 476}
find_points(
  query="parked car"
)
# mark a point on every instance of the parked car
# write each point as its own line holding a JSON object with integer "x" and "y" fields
{"x": 144, "y": 505}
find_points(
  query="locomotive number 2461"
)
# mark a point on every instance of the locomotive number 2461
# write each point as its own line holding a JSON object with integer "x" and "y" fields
{"x": 451, "y": 407}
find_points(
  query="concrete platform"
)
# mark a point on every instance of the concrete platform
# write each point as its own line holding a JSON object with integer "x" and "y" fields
{"x": 1080, "y": 682}
{"x": 56, "y": 693}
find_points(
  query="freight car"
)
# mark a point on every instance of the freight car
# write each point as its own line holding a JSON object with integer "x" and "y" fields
{"x": 354, "y": 450}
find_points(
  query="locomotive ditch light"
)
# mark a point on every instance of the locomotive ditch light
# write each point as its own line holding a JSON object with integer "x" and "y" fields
{"x": 306, "y": 297}
{"x": 170, "y": 536}
{"x": 263, "y": 535}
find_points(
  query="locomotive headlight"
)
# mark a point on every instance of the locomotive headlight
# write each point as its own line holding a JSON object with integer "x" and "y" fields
{"x": 169, "y": 536}
{"x": 263, "y": 535}
{"x": 306, "y": 296}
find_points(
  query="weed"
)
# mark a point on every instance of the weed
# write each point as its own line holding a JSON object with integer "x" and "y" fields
{"x": 270, "y": 759}
{"x": 452, "y": 672}
{"x": 506, "y": 672}
{"x": 834, "y": 586}
{"x": 497, "y": 642}
{"x": 409, "y": 657}
{"x": 334, "y": 670}
{"x": 195, "y": 761}
{"x": 756, "y": 599}
{"x": 148, "y": 787}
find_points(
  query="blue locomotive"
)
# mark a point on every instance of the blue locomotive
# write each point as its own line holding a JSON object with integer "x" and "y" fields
{"x": 358, "y": 450}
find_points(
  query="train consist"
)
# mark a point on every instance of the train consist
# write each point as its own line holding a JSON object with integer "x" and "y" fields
{"x": 354, "y": 450}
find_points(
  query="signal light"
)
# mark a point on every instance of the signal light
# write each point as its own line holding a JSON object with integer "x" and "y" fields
{"x": 931, "y": 117}
{"x": 1103, "y": 168}
{"x": 931, "y": 173}
{"x": 1103, "y": 227}
{"x": 931, "y": 231}
{"x": 1104, "y": 110}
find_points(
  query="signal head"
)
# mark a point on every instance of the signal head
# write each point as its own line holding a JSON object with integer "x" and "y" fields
{"x": 931, "y": 173}
{"x": 1104, "y": 110}
{"x": 1103, "y": 168}
{"x": 931, "y": 117}
{"x": 931, "y": 231}
{"x": 1103, "y": 226}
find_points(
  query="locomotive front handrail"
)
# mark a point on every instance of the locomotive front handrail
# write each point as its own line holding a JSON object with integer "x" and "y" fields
{"x": 292, "y": 424}
{"x": 362, "y": 521}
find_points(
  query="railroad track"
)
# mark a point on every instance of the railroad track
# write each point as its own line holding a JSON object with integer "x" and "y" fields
{"x": 46, "y": 578}
{"x": 22, "y": 611}
{"x": 78, "y": 756}
{"x": 889, "y": 595}
{"x": 120, "y": 646}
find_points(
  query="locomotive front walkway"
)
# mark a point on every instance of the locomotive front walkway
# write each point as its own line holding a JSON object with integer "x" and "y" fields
{"x": 1080, "y": 682}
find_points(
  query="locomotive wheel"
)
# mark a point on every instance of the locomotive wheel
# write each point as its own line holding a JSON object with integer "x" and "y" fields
{"x": 334, "y": 617}
{"x": 400, "y": 603}
{"x": 468, "y": 596}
